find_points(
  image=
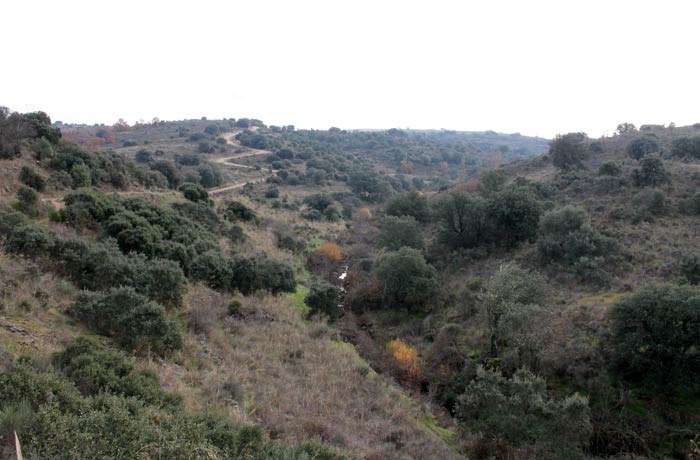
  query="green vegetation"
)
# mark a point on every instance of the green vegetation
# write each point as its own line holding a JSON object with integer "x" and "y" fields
{"x": 92, "y": 403}
{"x": 407, "y": 278}
{"x": 517, "y": 413}
{"x": 486, "y": 294}
{"x": 398, "y": 232}
{"x": 655, "y": 332}
{"x": 568, "y": 151}
{"x": 505, "y": 218}
{"x": 324, "y": 298}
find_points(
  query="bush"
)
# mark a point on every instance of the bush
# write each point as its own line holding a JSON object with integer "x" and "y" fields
{"x": 87, "y": 208}
{"x": 519, "y": 411}
{"x": 28, "y": 201}
{"x": 651, "y": 173}
{"x": 463, "y": 220}
{"x": 169, "y": 170}
{"x": 274, "y": 276}
{"x": 413, "y": 204}
{"x": 503, "y": 219}
{"x": 398, "y": 232}
{"x": 133, "y": 321}
{"x": 610, "y": 168}
{"x": 566, "y": 236}
{"x": 407, "y": 278}
{"x": 655, "y": 335}
{"x": 323, "y": 298}
{"x": 98, "y": 266}
{"x": 686, "y": 147}
{"x": 31, "y": 179}
{"x": 691, "y": 205}
{"x": 568, "y": 151}
{"x": 513, "y": 215}
{"x": 510, "y": 290}
{"x": 126, "y": 418}
{"x": 194, "y": 192}
{"x": 690, "y": 268}
{"x": 81, "y": 175}
{"x": 214, "y": 269}
{"x": 234, "y": 308}
{"x": 143, "y": 156}
{"x": 641, "y": 147}
{"x": 649, "y": 204}
{"x": 95, "y": 370}
{"x": 9, "y": 220}
{"x": 235, "y": 210}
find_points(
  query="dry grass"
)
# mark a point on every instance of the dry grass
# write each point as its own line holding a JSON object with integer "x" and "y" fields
{"x": 31, "y": 306}
{"x": 294, "y": 378}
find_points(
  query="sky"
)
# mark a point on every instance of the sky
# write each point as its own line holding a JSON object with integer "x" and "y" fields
{"x": 533, "y": 67}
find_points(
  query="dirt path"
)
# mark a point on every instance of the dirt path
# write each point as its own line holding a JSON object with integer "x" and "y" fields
{"x": 229, "y": 161}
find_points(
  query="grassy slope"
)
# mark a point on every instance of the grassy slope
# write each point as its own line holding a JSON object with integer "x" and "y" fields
{"x": 269, "y": 365}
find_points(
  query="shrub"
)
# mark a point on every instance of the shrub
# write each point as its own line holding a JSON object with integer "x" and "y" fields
{"x": 610, "y": 168}
{"x": 519, "y": 411}
{"x": 463, "y": 220}
{"x": 323, "y": 298}
{"x": 398, "y": 232}
{"x": 407, "y": 278}
{"x": 568, "y": 151}
{"x": 413, "y": 204}
{"x": 194, "y": 192}
{"x": 236, "y": 234}
{"x": 568, "y": 239}
{"x": 234, "y": 308}
{"x": 126, "y": 419}
{"x": 651, "y": 173}
{"x": 160, "y": 280}
{"x": 60, "y": 180}
{"x": 209, "y": 174}
{"x": 27, "y": 201}
{"x": 510, "y": 289}
{"x": 655, "y": 334}
{"x": 143, "y": 156}
{"x": 9, "y": 220}
{"x": 214, "y": 269}
{"x": 81, "y": 175}
{"x": 129, "y": 318}
{"x": 686, "y": 147}
{"x": 690, "y": 268}
{"x": 649, "y": 203}
{"x": 504, "y": 219}
{"x": 641, "y": 147}
{"x": 274, "y": 276}
{"x": 31, "y": 179}
{"x": 169, "y": 170}
{"x": 513, "y": 215}
{"x": 87, "y": 208}
{"x": 95, "y": 370}
{"x": 133, "y": 233}
{"x": 690, "y": 205}
{"x": 331, "y": 251}
{"x": 235, "y": 210}
{"x": 406, "y": 359}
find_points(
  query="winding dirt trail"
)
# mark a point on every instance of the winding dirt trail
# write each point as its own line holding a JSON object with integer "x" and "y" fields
{"x": 229, "y": 161}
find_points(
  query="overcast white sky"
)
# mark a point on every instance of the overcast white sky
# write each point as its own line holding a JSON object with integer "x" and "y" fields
{"x": 534, "y": 67}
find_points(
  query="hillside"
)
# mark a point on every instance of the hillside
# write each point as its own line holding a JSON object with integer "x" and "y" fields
{"x": 249, "y": 291}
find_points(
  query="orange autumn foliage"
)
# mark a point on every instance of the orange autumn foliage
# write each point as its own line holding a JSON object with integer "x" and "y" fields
{"x": 365, "y": 214}
{"x": 331, "y": 251}
{"x": 406, "y": 358}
